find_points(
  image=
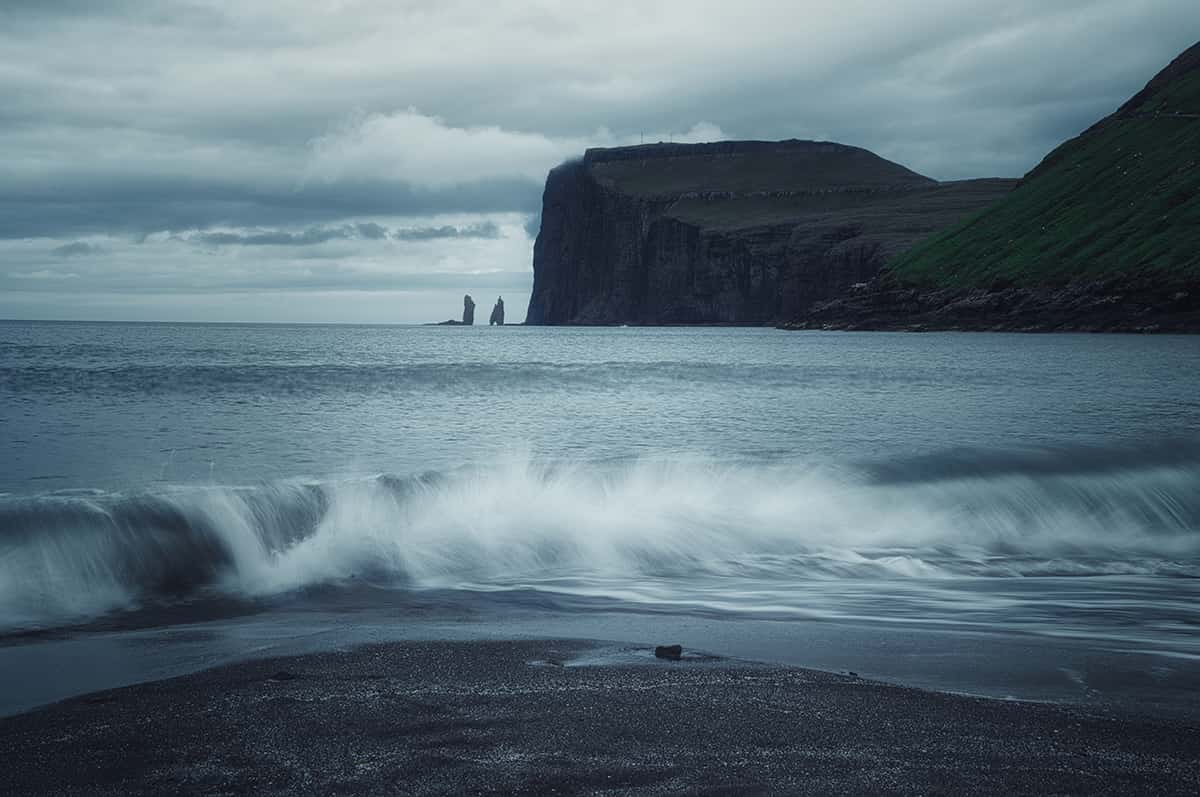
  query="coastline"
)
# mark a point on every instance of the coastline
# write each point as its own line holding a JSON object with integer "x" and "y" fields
{"x": 540, "y": 716}
{"x": 1123, "y": 305}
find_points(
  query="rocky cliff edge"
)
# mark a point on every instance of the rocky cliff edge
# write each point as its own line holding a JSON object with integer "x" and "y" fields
{"x": 728, "y": 232}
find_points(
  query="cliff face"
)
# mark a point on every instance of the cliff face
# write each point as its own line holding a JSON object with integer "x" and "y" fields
{"x": 733, "y": 232}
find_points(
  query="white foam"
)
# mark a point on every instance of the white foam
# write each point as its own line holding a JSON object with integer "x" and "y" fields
{"x": 652, "y": 530}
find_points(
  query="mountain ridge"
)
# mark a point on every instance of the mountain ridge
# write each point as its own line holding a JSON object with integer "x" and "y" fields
{"x": 1121, "y": 198}
{"x": 1102, "y": 235}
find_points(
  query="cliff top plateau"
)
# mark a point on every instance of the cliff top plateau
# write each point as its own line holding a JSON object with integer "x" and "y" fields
{"x": 745, "y": 167}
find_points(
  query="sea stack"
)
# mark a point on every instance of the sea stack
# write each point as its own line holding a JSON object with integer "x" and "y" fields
{"x": 497, "y": 318}
{"x": 468, "y": 310}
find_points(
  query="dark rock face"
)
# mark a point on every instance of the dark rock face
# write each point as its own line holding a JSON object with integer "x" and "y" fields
{"x": 1124, "y": 304}
{"x": 733, "y": 232}
{"x": 468, "y": 310}
{"x": 497, "y": 318}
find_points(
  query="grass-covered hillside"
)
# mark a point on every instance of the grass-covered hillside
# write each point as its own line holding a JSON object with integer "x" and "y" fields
{"x": 1122, "y": 199}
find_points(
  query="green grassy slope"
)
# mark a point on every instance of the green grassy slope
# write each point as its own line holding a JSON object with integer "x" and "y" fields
{"x": 1122, "y": 199}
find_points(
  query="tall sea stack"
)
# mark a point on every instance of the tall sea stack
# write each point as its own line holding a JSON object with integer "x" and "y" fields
{"x": 468, "y": 310}
{"x": 497, "y": 318}
{"x": 730, "y": 232}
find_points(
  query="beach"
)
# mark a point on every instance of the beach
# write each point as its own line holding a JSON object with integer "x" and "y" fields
{"x": 544, "y": 716}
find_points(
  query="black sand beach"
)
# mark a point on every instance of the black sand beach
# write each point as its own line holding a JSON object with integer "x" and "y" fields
{"x": 565, "y": 717}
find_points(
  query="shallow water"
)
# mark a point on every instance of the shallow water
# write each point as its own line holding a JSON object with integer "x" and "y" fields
{"x": 952, "y": 486}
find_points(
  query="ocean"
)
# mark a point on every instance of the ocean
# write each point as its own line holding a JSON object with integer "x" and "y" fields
{"x": 1009, "y": 515}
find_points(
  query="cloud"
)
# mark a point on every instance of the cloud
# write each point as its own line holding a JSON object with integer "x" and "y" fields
{"x": 371, "y": 231}
{"x": 324, "y": 138}
{"x": 272, "y": 237}
{"x": 312, "y": 236}
{"x": 45, "y": 274}
{"x": 533, "y": 225}
{"x": 133, "y": 206}
{"x": 75, "y": 249}
{"x": 155, "y": 184}
{"x": 486, "y": 255}
{"x": 483, "y": 229}
{"x": 417, "y": 149}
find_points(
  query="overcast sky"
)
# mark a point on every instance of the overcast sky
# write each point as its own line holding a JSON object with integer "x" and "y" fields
{"x": 338, "y": 160}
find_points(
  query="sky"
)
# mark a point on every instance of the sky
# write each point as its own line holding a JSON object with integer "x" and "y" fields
{"x": 361, "y": 161}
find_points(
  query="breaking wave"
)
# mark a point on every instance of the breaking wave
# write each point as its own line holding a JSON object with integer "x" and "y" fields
{"x": 611, "y": 528}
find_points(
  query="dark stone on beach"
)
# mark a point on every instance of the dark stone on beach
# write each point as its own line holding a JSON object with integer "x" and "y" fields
{"x": 672, "y": 652}
{"x": 284, "y": 675}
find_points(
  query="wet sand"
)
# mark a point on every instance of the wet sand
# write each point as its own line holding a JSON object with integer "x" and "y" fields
{"x": 563, "y": 717}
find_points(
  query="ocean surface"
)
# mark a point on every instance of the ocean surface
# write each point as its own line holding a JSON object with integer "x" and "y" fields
{"x": 1011, "y": 515}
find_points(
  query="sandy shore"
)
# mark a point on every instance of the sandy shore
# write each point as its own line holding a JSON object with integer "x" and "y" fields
{"x": 564, "y": 717}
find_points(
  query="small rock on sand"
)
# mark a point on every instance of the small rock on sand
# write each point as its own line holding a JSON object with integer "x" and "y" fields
{"x": 672, "y": 652}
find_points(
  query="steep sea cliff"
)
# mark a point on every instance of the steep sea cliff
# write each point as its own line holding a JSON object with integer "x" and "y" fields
{"x": 733, "y": 232}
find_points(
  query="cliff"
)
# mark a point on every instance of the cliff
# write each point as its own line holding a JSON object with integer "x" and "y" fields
{"x": 730, "y": 232}
{"x": 1104, "y": 234}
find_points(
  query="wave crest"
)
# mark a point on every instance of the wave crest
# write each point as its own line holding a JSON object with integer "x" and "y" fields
{"x": 65, "y": 558}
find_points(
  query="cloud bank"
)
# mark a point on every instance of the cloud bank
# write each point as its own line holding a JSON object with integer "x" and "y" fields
{"x": 347, "y": 148}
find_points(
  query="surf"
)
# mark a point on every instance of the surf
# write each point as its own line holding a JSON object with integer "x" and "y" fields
{"x": 745, "y": 533}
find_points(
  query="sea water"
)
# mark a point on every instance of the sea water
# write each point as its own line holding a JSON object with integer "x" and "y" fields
{"x": 923, "y": 505}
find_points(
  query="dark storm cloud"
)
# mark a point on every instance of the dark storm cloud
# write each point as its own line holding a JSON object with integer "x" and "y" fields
{"x": 348, "y": 232}
{"x": 74, "y": 249}
{"x": 147, "y": 205}
{"x": 267, "y": 79}
{"x": 371, "y": 231}
{"x": 484, "y": 229}
{"x": 313, "y": 235}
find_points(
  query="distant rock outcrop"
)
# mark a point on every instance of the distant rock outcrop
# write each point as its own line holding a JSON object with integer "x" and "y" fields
{"x": 497, "y": 318}
{"x": 730, "y": 232}
{"x": 1122, "y": 304}
{"x": 468, "y": 311}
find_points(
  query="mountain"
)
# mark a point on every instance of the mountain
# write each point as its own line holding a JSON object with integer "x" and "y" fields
{"x": 729, "y": 232}
{"x": 1104, "y": 234}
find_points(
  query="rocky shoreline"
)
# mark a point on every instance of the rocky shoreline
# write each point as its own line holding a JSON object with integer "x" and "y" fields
{"x": 1119, "y": 305}
{"x": 537, "y": 717}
